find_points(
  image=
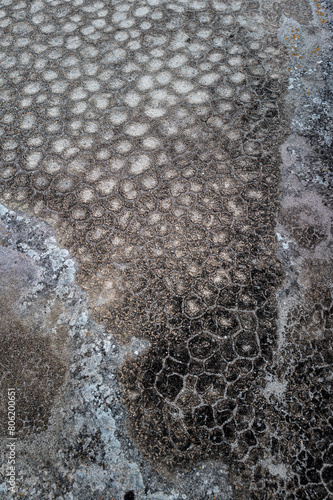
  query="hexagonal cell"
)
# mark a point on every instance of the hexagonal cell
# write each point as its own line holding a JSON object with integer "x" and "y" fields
{"x": 229, "y": 431}
{"x": 188, "y": 399}
{"x": 216, "y": 436}
{"x": 207, "y": 292}
{"x": 195, "y": 367}
{"x": 204, "y": 416}
{"x": 193, "y": 306}
{"x": 249, "y": 298}
{"x": 248, "y": 320}
{"x": 202, "y": 346}
{"x": 227, "y": 322}
{"x": 215, "y": 364}
{"x": 246, "y": 344}
{"x": 207, "y": 382}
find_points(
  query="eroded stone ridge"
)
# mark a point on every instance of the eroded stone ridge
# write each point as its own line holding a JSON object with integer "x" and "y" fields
{"x": 147, "y": 134}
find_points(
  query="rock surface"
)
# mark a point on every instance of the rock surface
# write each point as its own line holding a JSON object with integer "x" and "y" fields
{"x": 166, "y": 248}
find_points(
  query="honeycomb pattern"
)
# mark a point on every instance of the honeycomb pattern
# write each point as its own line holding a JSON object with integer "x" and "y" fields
{"x": 113, "y": 102}
{"x": 147, "y": 134}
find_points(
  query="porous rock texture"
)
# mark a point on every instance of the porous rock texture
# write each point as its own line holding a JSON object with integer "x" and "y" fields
{"x": 166, "y": 250}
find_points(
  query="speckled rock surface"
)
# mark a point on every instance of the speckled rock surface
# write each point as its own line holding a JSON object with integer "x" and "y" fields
{"x": 166, "y": 248}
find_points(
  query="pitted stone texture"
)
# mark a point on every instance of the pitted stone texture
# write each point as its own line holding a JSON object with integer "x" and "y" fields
{"x": 147, "y": 134}
{"x": 148, "y": 139}
{"x": 140, "y": 166}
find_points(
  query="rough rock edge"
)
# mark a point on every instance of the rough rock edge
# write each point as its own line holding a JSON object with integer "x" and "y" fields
{"x": 85, "y": 452}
